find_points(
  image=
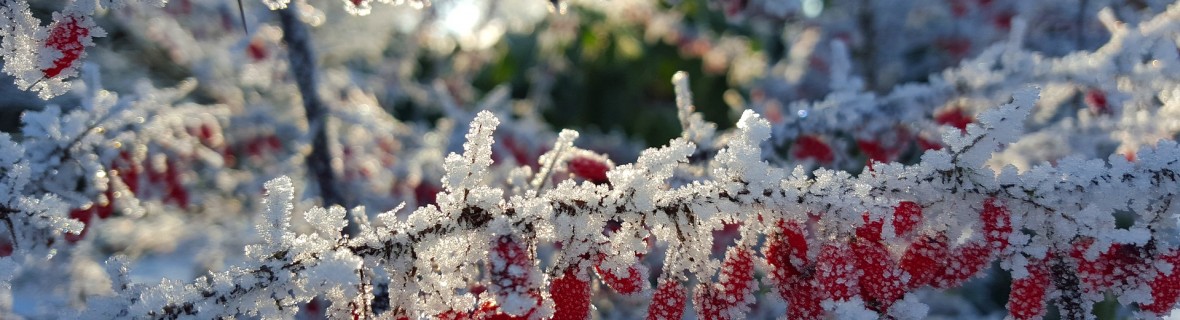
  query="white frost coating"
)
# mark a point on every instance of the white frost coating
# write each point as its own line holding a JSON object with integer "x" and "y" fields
{"x": 742, "y": 161}
{"x": 997, "y": 128}
{"x": 470, "y": 170}
{"x": 337, "y": 269}
{"x": 550, "y": 159}
{"x": 276, "y": 4}
{"x": 451, "y": 240}
{"x": 22, "y": 38}
{"x": 275, "y": 219}
{"x": 327, "y": 222}
{"x": 695, "y": 128}
{"x": 23, "y": 45}
{"x": 851, "y": 309}
{"x": 909, "y": 308}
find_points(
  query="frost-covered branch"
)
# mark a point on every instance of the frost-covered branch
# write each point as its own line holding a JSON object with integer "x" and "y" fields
{"x": 1042, "y": 213}
{"x": 520, "y": 221}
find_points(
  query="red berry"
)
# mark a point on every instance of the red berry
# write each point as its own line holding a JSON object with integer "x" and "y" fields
{"x": 128, "y": 170}
{"x": 963, "y": 263}
{"x": 589, "y": 168}
{"x": 571, "y": 296}
{"x": 924, "y": 258}
{"x": 510, "y": 265}
{"x": 1119, "y": 268}
{"x": 67, "y": 36}
{"x": 871, "y": 230}
{"x": 274, "y": 143}
{"x": 453, "y": 315}
{"x": 83, "y": 215}
{"x": 668, "y": 301}
{"x": 791, "y": 271}
{"x": 906, "y": 217}
{"x": 1003, "y": 20}
{"x": 957, "y": 47}
{"x": 997, "y": 224}
{"x": 874, "y": 150}
{"x": 1027, "y": 298}
{"x": 489, "y": 310}
{"x": 1096, "y": 99}
{"x": 1165, "y": 287}
{"x": 804, "y": 300}
{"x": 880, "y": 276}
{"x": 633, "y": 282}
{"x": 737, "y": 273}
{"x": 731, "y": 296}
{"x": 836, "y": 274}
{"x": 521, "y": 152}
{"x": 6, "y": 248}
{"x": 954, "y": 117}
{"x": 426, "y": 193}
{"x": 811, "y": 147}
{"x": 205, "y": 133}
{"x": 786, "y": 253}
{"x": 256, "y": 50}
{"x": 174, "y": 186}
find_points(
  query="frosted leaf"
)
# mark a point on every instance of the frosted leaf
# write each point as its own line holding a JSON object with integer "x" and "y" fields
{"x": 389, "y": 218}
{"x": 550, "y": 159}
{"x": 741, "y": 160}
{"x": 327, "y": 222}
{"x": 21, "y": 37}
{"x": 997, "y": 128}
{"x": 338, "y": 269}
{"x": 16, "y": 173}
{"x": 470, "y": 170}
{"x": 695, "y": 128}
{"x": 276, "y": 217}
{"x": 48, "y": 213}
{"x": 635, "y": 185}
{"x": 937, "y": 160}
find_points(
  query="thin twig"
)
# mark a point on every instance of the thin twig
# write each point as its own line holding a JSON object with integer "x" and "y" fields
{"x": 303, "y": 66}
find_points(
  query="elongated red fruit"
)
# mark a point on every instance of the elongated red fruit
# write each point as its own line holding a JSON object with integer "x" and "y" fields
{"x": 629, "y": 282}
{"x": 836, "y": 274}
{"x": 906, "y": 217}
{"x": 786, "y": 253}
{"x": 668, "y": 301}
{"x": 1165, "y": 287}
{"x": 1027, "y": 298}
{"x": 924, "y": 258}
{"x": 881, "y": 282}
{"x": 964, "y": 262}
{"x": 571, "y": 296}
{"x": 997, "y": 224}
{"x": 731, "y": 296}
{"x": 510, "y": 266}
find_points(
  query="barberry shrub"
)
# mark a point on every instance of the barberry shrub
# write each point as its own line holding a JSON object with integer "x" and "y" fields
{"x": 855, "y": 201}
